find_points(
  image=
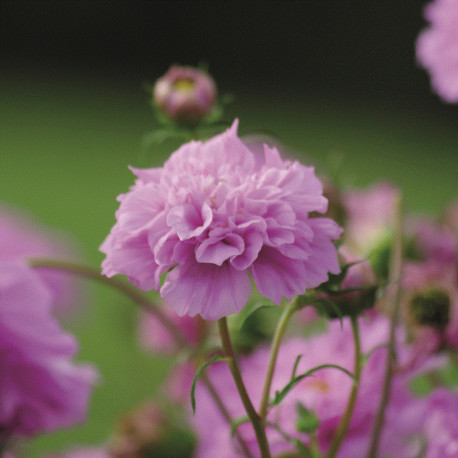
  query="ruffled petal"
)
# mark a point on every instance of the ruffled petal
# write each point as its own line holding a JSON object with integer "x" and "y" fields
{"x": 206, "y": 289}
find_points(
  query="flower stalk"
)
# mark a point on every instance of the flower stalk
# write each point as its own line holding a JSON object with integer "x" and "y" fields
{"x": 393, "y": 300}
{"x": 346, "y": 418}
{"x": 279, "y": 332}
{"x": 233, "y": 367}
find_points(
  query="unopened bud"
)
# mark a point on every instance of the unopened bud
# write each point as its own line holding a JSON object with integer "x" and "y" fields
{"x": 431, "y": 308}
{"x": 185, "y": 94}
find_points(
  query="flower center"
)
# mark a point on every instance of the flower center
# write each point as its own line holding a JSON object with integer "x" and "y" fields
{"x": 184, "y": 85}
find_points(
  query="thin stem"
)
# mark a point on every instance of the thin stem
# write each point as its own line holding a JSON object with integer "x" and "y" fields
{"x": 346, "y": 418}
{"x": 279, "y": 332}
{"x": 223, "y": 409}
{"x": 142, "y": 301}
{"x": 130, "y": 291}
{"x": 394, "y": 300}
{"x": 233, "y": 367}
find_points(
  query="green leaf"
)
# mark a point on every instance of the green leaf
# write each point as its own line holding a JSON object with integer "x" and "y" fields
{"x": 248, "y": 311}
{"x": 196, "y": 377}
{"x": 279, "y": 395}
{"x": 237, "y": 422}
{"x": 307, "y": 421}
{"x": 296, "y": 363}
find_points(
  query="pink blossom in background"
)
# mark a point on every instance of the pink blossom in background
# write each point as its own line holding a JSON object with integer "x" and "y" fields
{"x": 23, "y": 238}
{"x": 437, "y": 48}
{"x": 217, "y": 217}
{"x": 441, "y": 424}
{"x": 42, "y": 390}
{"x": 325, "y": 393}
{"x": 434, "y": 273}
{"x": 370, "y": 216}
{"x": 156, "y": 338}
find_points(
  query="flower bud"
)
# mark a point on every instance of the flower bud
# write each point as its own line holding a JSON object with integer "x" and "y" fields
{"x": 147, "y": 432}
{"x": 185, "y": 94}
{"x": 431, "y": 308}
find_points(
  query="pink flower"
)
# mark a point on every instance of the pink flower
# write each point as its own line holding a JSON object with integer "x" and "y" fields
{"x": 430, "y": 301}
{"x": 437, "y": 48}
{"x": 325, "y": 393}
{"x": 42, "y": 389}
{"x": 212, "y": 217}
{"x": 22, "y": 238}
{"x": 370, "y": 215}
{"x": 185, "y": 94}
{"x": 156, "y": 338}
{"x": 441, "y": 425}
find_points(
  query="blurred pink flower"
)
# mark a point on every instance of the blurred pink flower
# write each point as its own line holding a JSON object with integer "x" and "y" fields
{"x": 185, "y": 94}
{"x": 437, "y": 48}
{"x": 42, "y": 389}
{"x": 156, "y": 338}
{"x": 430, "y": 301}
{"x": 441, "y": 424}
{"x": 217, "y": 218}
{"x": 23, "y": 238}
{"x": 325, "y": 393}
{"x": 370, "y": 215}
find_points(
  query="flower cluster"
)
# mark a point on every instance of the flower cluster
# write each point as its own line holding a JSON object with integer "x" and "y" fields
{"x": 215, "y": 215}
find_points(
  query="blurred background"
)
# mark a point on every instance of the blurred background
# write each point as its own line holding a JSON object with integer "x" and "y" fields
{"x": 336, "y": 81}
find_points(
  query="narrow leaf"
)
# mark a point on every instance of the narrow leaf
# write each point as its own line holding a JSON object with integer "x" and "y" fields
{"x": 279, "y": 395}
{"x": 196, "y": 377}
{"x": 296, "y": 363}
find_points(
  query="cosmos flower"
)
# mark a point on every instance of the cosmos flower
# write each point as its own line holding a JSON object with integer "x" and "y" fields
{"x": 437, "y": 48}
{"x": 213, "y": 217}
{"x": 42, "y": 389}
{"x": 156, "y": 338}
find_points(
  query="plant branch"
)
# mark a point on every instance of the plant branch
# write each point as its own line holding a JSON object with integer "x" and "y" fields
{"x": 279, "y": 332}
{"x": 346, "y": 418}
{"x": 125, "y": 288}
{"x": 394, "y": 301}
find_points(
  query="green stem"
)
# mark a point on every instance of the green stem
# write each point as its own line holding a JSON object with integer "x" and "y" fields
{"x": 394, "y": 300}
{"x": 346, "y": 418}
{"x": 128, "y": 290}
{"x": 227, "y": 416}
{"x": 279, "y": 332}
{"x": 233, "y": 367}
